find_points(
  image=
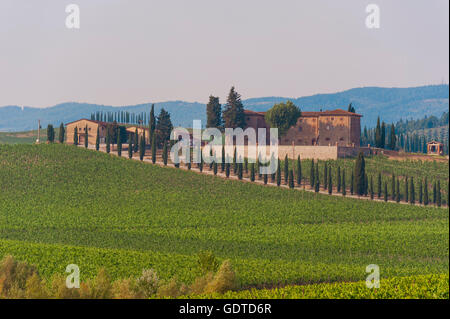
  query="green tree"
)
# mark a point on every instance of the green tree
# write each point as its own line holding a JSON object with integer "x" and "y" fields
{"x": 215, "y": 168}
{"x": 406, "y": 189}
{"x": 338, "y": 182}
{"x": 136, "y": 141}
{"x": 325, "y": 176}
{"x": 75, "y": 136}
{"x": 141, "y": 148}
{"x": 412, "y": 197}
{"x": 397, "y": 194}
{"x": 291, "y": 179}
{"x": 438, "y": 194}
{"x": 152, "y": 124}
{"x": 393, "y": 186}
{"x": 425, "y": 192}
{"x": 371, "y": 192}
{"x": 392, "y": 138}
{"x": 385, "y": 192}
{"x": 165, "y": 155}
{"x": 227, "y": 170}
{"x": 62, "y": 133}
{"x": 233, "y": 114}
{"x": 299, "y": 171}
{"x": 163, "y": 127}
{"x": 378, "y": 134}
{"x": 279, "y": 173}
{"x": 283, "y": 116}
{"x": 240, "y": 168}
{"x": 130, "y": 147}
{"x": 330, "y": 182}
{"x": 360, "y": 173}
{"x": 351, "y": 108}
{"x": 50, "y": 133}
{"x": 383, "y": 135}
{"x": 420, "y": 192}
{"x": 119, "y": 145}
{"x": 344, "y": 188}
{"x": 213, "y": 112}
{"x": 86, "y": 137}
{"x": 235, "y": 161}
{"x": 97, "y": 139}
{"x": 154, "y": 149}
{"x": 352, "y": 183}
{"x": 379, "y": 185}
{"x": 286, "y": 169}
{"x": 108, "y": 142}
{"x": 222, "y": 165}
{"x": 311, "y": 175}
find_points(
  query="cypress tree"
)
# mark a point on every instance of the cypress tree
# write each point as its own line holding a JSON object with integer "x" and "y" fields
{"x": 311, "y": 175}
{"x": 344, "y": 188}
{"x": 434, "y": 193}
{"x": 366, "y": 184}
{"x": 235, "y": 162}
{"x": 378, "y": 134}
{"x": 265, "y": 179}
{"x": 227, "y": 170}
{"x": 130, "y": 147}
{"x": 438, "y": 194}
{"x": 200, "y": 165}
{"x": 86, "y": 137}
{"x": 330, "y": 182}
{"x": 279, "y": 173}
{"x": 154, "y": 149}
{"x": 246, "y": 165}
{"x": 119, "y": 144}
{"x": 164, "y": 154}
{"x": 97, "y": 140}
{"x": 371, "y": 188}
{"x": 62, "y": 132}
{"x": 286, "y": 169}
{"x": 240, "y": 168}
{"x": 291, "y": 179}
{"x": 152, "y": 124}
{"x": 412, "y": 196}
{"x": 397, "y": 194}
{"x": 142, "y": 148}
{"x": 215, "y": 167}
{"x": 108, "y": 141}
{"x": 393, "y": 186}
{"x": 420, "y": 192}
{"x": 252, "y": 172}
{"x": 50, "y": 133}
{"x": 383, "y": 135}
{"x": 325, "y": 177}
{"x": 317, "y": 186}
{"x": 136, "y": 141}
{"x": 338, "y": 179}
{"x": 385, "y": 192}
{"x": 299, "y": 171}
{"x": 425, "y": 192}
{"x": 379, "y": 185}
{"x": 352, "y": 183}
{"x": 258, "y": 165}
{"x": 360, "y": 174}
{"x": 316, "y": 174}
{"x": 75, "y": 136}
{"x": 406, "y": 189}
{"x": 212, "y": 162}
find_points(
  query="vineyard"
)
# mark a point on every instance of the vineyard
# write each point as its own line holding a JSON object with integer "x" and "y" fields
{"x": 62, "y": 204}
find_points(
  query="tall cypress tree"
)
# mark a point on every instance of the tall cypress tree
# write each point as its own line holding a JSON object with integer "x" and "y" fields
{"x": 279, "y": 173}
{"x": 344, "y": 188}
{"x": 406, "y": 189}
{"x": 215, "y": 168}
{"x": 438, "y": 194}
{"x": 412, "y": 192}
{"x": 392, "y": 138}
{"x": 371, "y": 188}
{"x": 360, "y": 173}
{"x": 291, "y": 179}
{"x": 62, "y": 132}
{"x": 86, "y": 137}
{"x": 317, "y": 180}
{"x": 385, "y": 192}
{"x": 136, "y": 141}
{"x": 75, "y": 136}
{"x": 352, "y": 183}
{"x": 235, "y": 162}
{"x": 338, "y": 179}
{"x": 325, "y": 176}
{"x": 108, "y": 141}
{"x": 119, "y": 144}
{"x": 252, "y": 172}
{"x": 97, "y": 139}
{"x": 265, "y": 179}
{"x": 420, "y": 192}
{"x": 286, "y": 169}
{"x": 152, "y": 124}
{"x": 379, "y": 185}
{"x": 50, "y": 133}
{"x": 434, "y": 193}
{"x": 393, "y": 186}
{"x": 397, "y": 194}
{"x": 130, "y": 147}
{"x": 311, "y": 175}
{"x": 383, "y": 135}
{"x": 425, "y": 192}
{"x": 378, "y": 134}
{"x": 141, "y": 148}
{"x": 154, "y": 149}
{"x": 240, "y": 168}
{"x": 222, "y": 164}
{"x": 165, "y": 155}
{"x": 299, "y": 171}
{"x": 246, "y": 165}
{"x": 330, "y": 182}
{"x": 227, "y": 170}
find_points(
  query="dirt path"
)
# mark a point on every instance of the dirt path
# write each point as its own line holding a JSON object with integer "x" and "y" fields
{"x": 207, "y": 171}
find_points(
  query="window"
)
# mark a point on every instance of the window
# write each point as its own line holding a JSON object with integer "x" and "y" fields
{"x": 327, "y": 139}
{"x": 341, "y": 139}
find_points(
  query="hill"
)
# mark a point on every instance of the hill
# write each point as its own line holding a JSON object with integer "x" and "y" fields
{"x": 70, "y": 205}
{"x": 391, "y": 104}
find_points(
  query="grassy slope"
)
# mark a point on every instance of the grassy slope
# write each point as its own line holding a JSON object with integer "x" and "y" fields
{"x": 61, "y": 204}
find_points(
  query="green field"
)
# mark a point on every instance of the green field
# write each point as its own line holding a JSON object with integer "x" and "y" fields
{"x": 61, "y": 204}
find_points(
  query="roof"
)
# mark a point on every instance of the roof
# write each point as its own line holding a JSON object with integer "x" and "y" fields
{"x": 337, "y": 112}
{"x": 92, "y": 121}
{"x": 434, "y": 142}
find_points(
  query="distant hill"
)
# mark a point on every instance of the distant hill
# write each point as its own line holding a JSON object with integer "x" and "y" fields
{"x": 391, "y": 104}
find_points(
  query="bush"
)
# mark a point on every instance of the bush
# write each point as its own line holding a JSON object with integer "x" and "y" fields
{"x": 147, "y": 284}
{"x": 14, "y": 276}
{"x": 207, "y": 262}
{"x": 224, "y": 280}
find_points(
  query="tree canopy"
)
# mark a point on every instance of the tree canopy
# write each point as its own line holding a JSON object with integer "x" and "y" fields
{"x": 283, "y": 116}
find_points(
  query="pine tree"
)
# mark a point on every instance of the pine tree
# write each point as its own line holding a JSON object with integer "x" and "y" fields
{"x": 385, "y": 192}
{"x": 163, "y": 127}
{"x": 438, "y": 194}
{"x": 233, "y": 115}
{"x": 299, "y": 171}
{"x": 75, "y": 136}
{"x": 62, "y": 132}
{"x": 142, "y": 148}
{"x": 360, "y": 174}
{"x": 286, "y": 169}
{"x": 130, "y": 147}
{"x": 97, "y": 139}
{"x": 330, "y": 182}
{"x": 311, "y": 175}
{"x": 213, "y": 112}
{"x": 86, "y": 137}
{"x": 379, "y": 185}
{"x": 252, "y": 172}
{"x": 412, "y": 192}
{"x": 425, "y": 192}
{"x": 154, "y": 149}
{"x": 279, "y": 173}
{"x": 338, "y": 179}
{"x": 119, "y": 144}
{"x": 291, "y": 179}
{"x": 165, "y": 155}
{"x": 344, "y": 188}
{"x": 397, "y": 194}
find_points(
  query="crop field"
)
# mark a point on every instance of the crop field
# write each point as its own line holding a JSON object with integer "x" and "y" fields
{"x": 63, "y": 205}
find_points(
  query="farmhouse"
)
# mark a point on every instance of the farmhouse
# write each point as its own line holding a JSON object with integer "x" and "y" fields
{"x": 81, "y": 128}
{"x": 327, "y": 128}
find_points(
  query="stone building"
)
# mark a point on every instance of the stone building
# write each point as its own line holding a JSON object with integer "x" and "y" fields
{"x": 435, "y": 148}
{"x": 327, "y": 128}
{"x": 81, "y": 128}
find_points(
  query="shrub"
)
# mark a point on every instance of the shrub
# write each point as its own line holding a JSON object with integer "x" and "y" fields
{"x": 147, "y": 284}
{"x": 224, "y": 280}
{"x": 207, "y": 262}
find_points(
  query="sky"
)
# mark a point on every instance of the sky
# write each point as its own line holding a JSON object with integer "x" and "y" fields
{"x": 141, "y": 51}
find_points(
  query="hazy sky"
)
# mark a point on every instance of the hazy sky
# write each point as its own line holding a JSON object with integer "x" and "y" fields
{"x": 138, "y": 51}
